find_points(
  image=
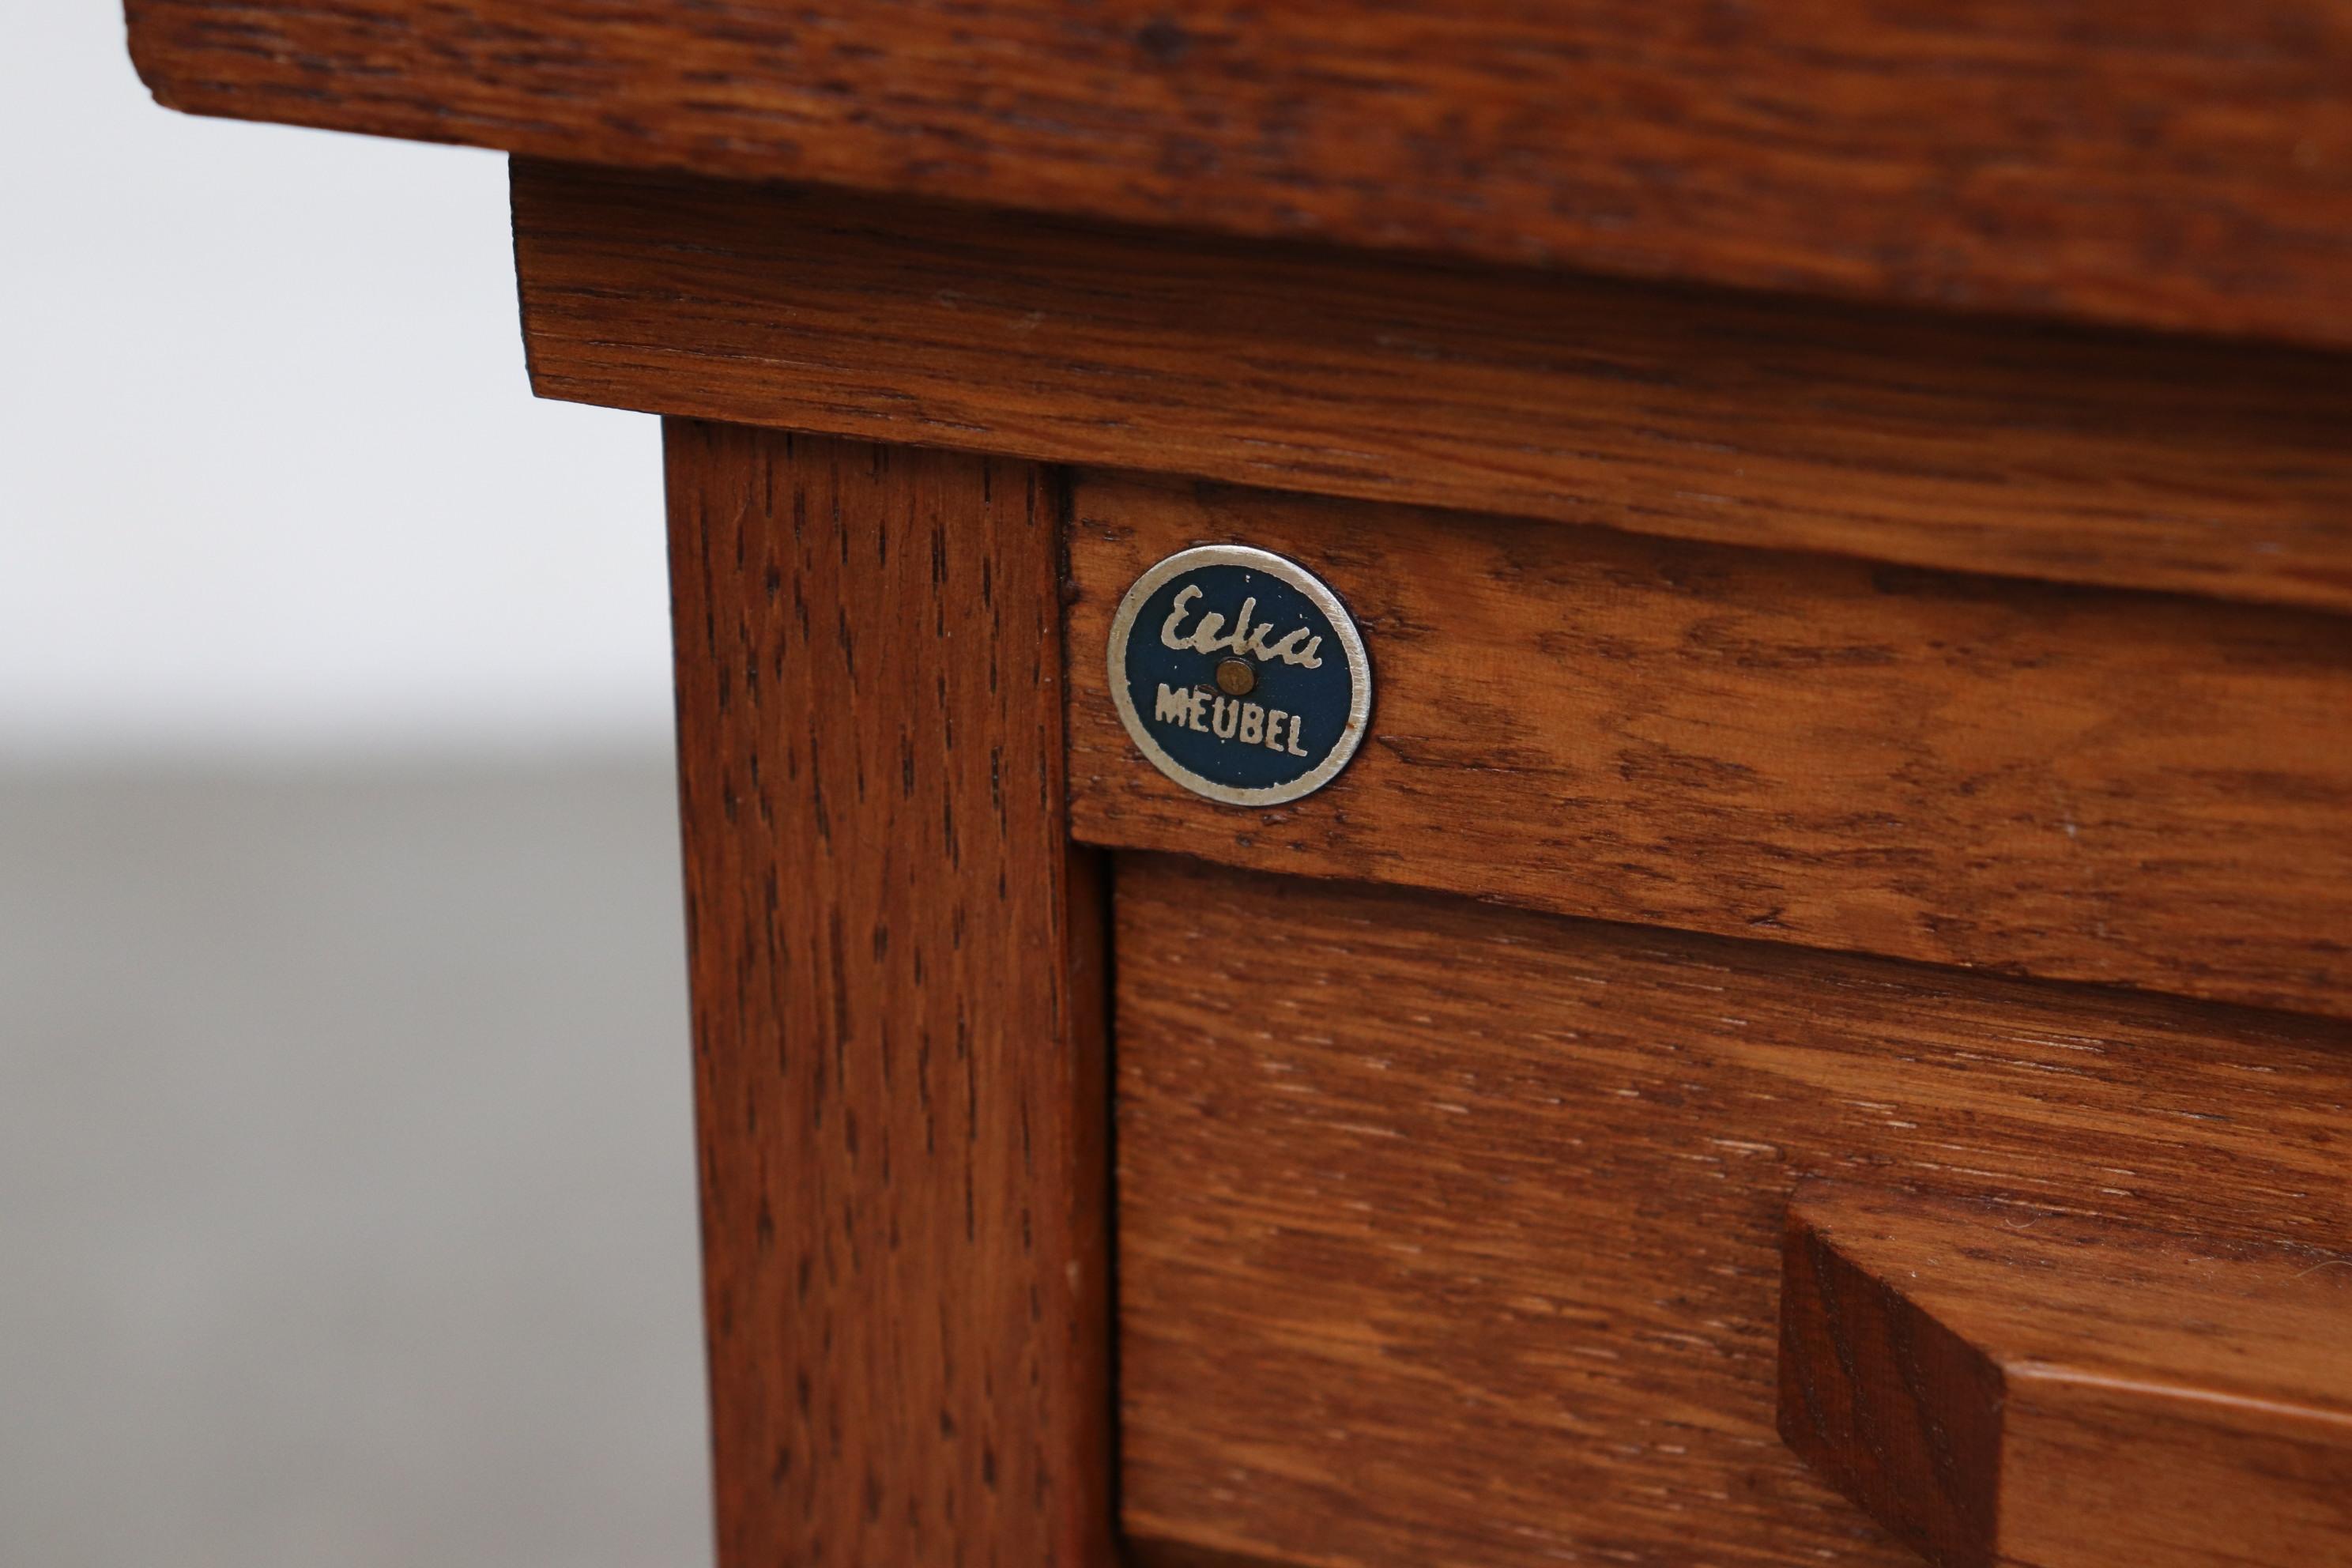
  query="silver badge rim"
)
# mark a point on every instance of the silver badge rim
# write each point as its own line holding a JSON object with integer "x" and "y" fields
{"x": 1343, "y": 626}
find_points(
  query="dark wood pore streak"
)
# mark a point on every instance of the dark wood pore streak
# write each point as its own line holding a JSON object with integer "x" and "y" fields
{"x": 899, "y": 1009}
{"x": 1979, "y": 447}
{"x": 2079, "y": 783}
{"x": 1450, "y": 1234}
{"x": 2177, "y": 164}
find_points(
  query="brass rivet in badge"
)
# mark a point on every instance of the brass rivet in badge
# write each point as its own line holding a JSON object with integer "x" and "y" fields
{"x": 1239, "y": 675}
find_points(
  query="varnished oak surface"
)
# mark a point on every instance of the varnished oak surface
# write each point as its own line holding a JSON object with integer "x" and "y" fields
{"x": 2086, "y": 784}
{"x": 2000, "y": 1384}
{"x": 1161, "y": 1552}
{"x": 898, "y": 1013}
{"x": 2173, "y": 163}
{"x": 1980, "y": 446}
{"x": 1451, "y": 1234}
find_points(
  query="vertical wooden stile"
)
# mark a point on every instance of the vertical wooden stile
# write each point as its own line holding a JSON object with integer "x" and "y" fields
{"x": 899, "y": 1007}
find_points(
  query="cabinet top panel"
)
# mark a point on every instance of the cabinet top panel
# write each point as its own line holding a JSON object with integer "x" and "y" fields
{"x": 2177, "y": 166}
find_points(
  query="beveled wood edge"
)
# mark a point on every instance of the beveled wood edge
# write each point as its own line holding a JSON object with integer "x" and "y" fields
{"x": 1966, "y": 445}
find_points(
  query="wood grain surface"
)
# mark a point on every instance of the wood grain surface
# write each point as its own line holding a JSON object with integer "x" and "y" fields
{"x": 2086, "y": 784}
{"x": 899, "y": 1009}
{"x": 1888, "y": 1404}
{"x": 1980, "y": 446}
{"x": 2000, "y": 1384}
{"x": 1163, "y": 1552}
{"x": 1451, "y": 1234}
{"x": 2177, "y": 164}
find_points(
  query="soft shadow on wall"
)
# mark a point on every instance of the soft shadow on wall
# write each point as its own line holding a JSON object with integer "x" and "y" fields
{"x": 346, "y": 1182}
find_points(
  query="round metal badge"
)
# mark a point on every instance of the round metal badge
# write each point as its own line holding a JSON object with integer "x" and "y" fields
{"x": 1240, "y": 675}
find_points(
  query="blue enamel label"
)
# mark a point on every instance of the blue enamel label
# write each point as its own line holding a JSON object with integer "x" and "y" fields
{"x": 1240, "y": 675}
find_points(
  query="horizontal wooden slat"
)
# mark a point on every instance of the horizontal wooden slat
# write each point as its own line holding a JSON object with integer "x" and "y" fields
{"x": 2176, "y": 163}
{"x": 1764, "y": 422}
{"x": 1450, "y": 1234}
{"x": 2086, "y": 785}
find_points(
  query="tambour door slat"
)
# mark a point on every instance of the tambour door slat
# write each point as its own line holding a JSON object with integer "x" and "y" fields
{"x": 1450, "y": 1234}
{"x": 2102, "y": 786}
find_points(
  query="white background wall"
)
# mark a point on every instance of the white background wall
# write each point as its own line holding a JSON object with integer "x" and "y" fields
{"x": 270, "y": 475}
{"x": 346, "y": 1170}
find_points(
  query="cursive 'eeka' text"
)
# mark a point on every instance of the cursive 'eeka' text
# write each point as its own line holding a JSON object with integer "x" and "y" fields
{"x": 1209, "y": 635}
